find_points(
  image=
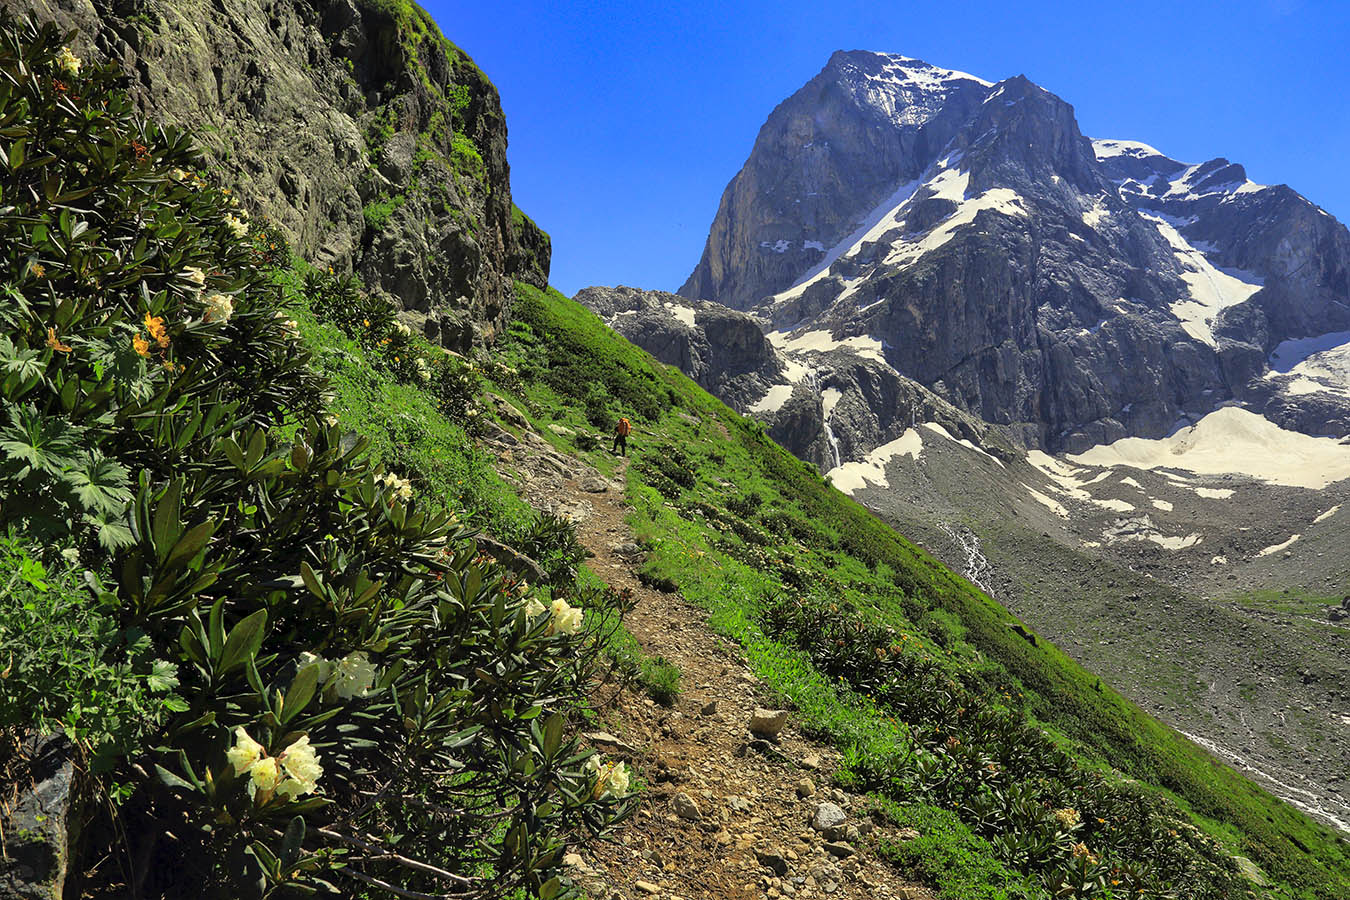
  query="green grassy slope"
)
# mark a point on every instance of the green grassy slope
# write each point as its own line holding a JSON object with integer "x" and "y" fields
{"x": 737, "y": 523}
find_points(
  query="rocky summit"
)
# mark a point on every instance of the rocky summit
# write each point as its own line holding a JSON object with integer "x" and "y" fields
{"x": 967, "y": 236}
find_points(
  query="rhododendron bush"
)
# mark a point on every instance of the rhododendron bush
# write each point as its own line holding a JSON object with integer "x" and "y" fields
{"x": 367, "y": 701}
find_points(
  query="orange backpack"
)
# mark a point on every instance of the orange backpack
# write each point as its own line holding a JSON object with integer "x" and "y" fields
{"x": 623, "y": 428}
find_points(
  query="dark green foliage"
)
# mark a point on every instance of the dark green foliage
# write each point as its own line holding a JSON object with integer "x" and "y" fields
{"x": 372, "y": 322}
{"x": 552, "y": 542}
{"x": 69, "y": 667}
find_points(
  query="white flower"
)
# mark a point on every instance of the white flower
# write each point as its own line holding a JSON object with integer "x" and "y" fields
{"x": 308, "y": 659}
{"x": 423, "y": 370}
{"x": 354, "y": 676}
{"x": 181, "y": 174}
{"x": 245, "y": 752}
{"x": 330, "y": 420}
{"x": 401, "y": 487}
{"x": 302, "y": 768}
{"x": 194, "y": 275}
{"x": 265, "y": 773}
{"x": 616, "y": 785}
{"x": 292, "y": 329}
{"x": 534, "y": 608}
{"x": 612, "y": 779}
{"x": 219, "y": 308}
{"x": 566, "y": 618}
{"x": 403, "y": 329}
{"x": 238, "y": 227}
{"x": 68, "y": 62}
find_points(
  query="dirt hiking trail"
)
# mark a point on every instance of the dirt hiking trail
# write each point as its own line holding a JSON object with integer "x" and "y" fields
{"x": 725, "y": 814}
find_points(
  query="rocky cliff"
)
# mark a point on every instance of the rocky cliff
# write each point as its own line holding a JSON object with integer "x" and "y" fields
{"x": 825, "y": 405}
{"x": 373, "y": 142}
{"x": 970, "y": 238}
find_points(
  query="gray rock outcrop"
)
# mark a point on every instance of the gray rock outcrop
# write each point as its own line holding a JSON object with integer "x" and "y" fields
{"x": 374, "y": 143}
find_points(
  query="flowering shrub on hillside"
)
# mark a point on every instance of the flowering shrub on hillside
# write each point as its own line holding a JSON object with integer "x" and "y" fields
{"x": 361, "y": 696}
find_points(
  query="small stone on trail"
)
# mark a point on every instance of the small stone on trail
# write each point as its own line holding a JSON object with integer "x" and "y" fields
{"x": 709, "y": 708}
{"x": 685, "y": 807}
{"x": 772, "y": 860}
{"x": 768, "y": 722}
{"x": 828, "y": 819}
{"x": 910, "y": 893}
{"x": 805, "y": 788}
{"x": 559, "y": 429}
{"x": 840, "y": 849}
{"x": 738, "y": 804}
{"x": 908, "y": 834}
{"x": 646, "y": 887}
{"x": 594, "y": 485}
{"x": 604, "y": 737}
{"x": 812, "y": 761}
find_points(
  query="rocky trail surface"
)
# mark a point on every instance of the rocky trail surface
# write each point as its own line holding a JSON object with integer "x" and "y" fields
{"x": 726, "y": 813}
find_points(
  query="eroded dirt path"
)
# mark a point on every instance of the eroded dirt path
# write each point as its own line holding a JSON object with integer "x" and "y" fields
{"x": 724, "y": 815}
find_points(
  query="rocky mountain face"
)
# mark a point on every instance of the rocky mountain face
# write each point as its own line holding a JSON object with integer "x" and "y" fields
{"x": 354, "y": 125}
{"x": 970, "y": 238}
{"x": 825, "y": 406}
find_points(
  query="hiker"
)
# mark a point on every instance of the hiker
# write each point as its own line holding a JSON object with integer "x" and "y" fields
{"x": 621, "y": 432}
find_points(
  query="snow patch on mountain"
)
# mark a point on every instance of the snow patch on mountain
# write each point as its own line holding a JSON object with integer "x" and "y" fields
{"x": 851, "y": 477}
{"x": 1211, "y": 289}
{"x": 1105, "y": 149}
{"x": 1313, "y": 365}
{"x": 821, "y": 341}
{"x": 1232, "y": 440}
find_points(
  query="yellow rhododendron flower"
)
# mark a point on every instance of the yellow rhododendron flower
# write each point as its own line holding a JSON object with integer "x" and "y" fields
{"x": 238, "y": 227}
{"x": 68, "y": 62}
{"x": 612, "y": 779}
{"x": 566, "y": 618}
{"x": 354, "y": 676}
{"x": 266, "y": 774}
{"x": 401, "y": 487}
{"x": 219, "y": 308}
{"x": 245, "y": 752}
{"x": 1067, "y": 817}
{"x": 195, "y": 275}
{"x": 302, "y": 768}
{"x": 534, "y": 608}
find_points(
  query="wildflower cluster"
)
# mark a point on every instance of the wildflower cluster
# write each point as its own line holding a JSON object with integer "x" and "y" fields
{"x": 293, "y": 772}
{"x": 454, "y": 381}
{"x": 612, "y": 779}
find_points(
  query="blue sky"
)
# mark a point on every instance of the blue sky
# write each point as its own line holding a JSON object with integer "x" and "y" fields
{"x": 627, "y": 119}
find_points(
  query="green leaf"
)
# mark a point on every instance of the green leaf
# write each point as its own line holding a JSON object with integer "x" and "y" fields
{"x": 291, "y": 841}
{"x": 553, "y": 732}
{"x": 300, "y": 693}
{"x": 163, "y": 676}
{"x": 243, "y": 643}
